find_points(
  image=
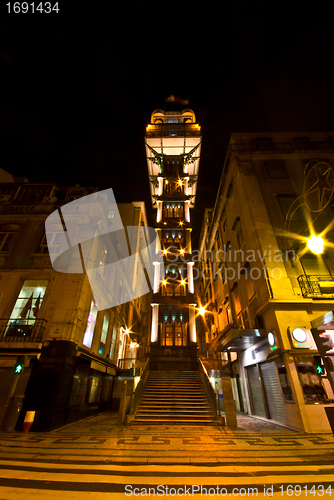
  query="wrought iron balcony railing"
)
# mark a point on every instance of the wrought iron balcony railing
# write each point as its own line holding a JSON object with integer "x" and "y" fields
{"x": 22, "y": 330}
{"x": 317, "y": 287}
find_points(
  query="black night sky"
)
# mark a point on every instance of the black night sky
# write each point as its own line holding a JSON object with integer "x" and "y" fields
{"x": 78, "y": 87}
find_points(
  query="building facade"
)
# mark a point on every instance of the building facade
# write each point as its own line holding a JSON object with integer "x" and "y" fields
{"x": 59, "y": 354}
{"x": 261, "y": 284}
{"x": 173, "y": 144}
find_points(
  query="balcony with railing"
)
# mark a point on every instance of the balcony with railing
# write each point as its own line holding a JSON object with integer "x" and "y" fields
{"x": 22, "y": 330}
{"x": 173, "y": 129}
{"x": 317, "y": 287}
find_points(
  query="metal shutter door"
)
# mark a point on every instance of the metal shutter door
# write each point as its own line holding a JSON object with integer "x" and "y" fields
{"x": 273, "y": 393}
{"x": 256, "y": 391}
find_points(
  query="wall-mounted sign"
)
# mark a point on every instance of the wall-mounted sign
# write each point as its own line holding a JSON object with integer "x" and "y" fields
{"x": 272, "y": 340}
{"x": 300, "y": 337}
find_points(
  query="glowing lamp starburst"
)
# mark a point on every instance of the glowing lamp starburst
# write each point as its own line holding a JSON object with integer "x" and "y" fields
{"x": 316, "y": 244}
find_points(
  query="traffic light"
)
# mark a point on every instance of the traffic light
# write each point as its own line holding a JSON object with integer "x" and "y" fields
{"x": 323, "y": 342}
{"x": 19, "y": 365}
{"x": 319, "y": 367}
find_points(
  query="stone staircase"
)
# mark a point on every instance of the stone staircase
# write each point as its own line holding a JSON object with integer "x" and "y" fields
{"x": 174, "y": 397}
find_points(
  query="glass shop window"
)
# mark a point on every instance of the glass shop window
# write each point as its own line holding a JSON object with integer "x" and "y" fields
{"x": 284, "y": 380}
{"x": 311, "y": 382}
{"x": 94, "y": 388}
{"x": 106, "y": 388}
{"x": 88, "y": 336}
{"x": 79, "y": 388}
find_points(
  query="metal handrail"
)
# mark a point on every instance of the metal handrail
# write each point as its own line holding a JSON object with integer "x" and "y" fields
{"x": 137, "y": 393}
{"x": 22, "y": 330}
{"x": 310, "y": 285}
{"x": 208, "y": 387}
{"x": 132, "y": 362}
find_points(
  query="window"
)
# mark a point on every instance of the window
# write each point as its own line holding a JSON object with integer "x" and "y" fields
{"x": 113, "y": 339}
{"x": 103, "y": 260}
{"x": 276, "y": 169}
{"x": 314, "y": 265}
{"x": 173, "y": 334}
{"x": 284, "y": 380}
{"x": 229, "y": 314}
{"x": 79, "y": 388}
{"x": 94, "y": 388}
{"x": 295, "y": 216}
{"x": 246, "y": 271}
{"x": 7, "y": 233}
{"x": 104, "y": 332}
{"x": 236, "y": 298}
{"x": 30, "y": 299}
{"x": 238, "y": 232}
{"x": 53, "y": 237}
{"x": 88, "y": 336}
{"x": 310, "y": 381}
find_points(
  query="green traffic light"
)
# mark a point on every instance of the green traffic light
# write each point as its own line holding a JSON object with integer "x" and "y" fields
{"x": 18, "y": 368}
{"x": 320, "y": 370}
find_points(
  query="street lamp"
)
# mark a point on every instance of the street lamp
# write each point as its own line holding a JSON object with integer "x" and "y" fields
{"x": 202, "y": 311}
{"x": 316, "y": 244}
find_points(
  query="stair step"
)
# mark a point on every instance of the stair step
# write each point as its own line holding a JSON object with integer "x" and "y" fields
{"x": 174, "y": 422}
{"x": 176, "y": 417}
{"x": 173, "y": 403}
{"x": 174, "y": 397}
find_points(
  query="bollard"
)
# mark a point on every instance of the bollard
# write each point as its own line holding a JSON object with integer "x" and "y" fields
{"x": 28, "y": 421}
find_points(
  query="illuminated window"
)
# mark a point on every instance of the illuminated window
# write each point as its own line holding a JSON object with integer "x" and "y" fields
{"x": 173, "y": 334}
{"x": 115, "y": 329}
{"x": 104, "y": 332}
{"x": 91, "y": 321}
{"x": 30, "y": 299}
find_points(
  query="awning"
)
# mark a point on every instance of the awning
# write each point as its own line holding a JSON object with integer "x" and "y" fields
{"x": 324, "y": 322}
{"x": 240, "y": 339}
{"x": 97, "y": 364}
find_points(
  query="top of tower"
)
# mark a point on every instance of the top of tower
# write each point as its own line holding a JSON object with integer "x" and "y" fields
{"x": 184, "y": 116}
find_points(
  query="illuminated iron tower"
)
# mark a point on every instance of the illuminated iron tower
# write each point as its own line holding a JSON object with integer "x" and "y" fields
{"x": 173, "y": 144}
